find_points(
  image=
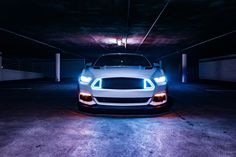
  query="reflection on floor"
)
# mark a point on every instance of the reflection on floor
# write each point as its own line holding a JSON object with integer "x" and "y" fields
{"x": 39, "y": 118}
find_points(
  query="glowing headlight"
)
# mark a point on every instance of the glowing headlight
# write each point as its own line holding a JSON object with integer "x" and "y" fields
{"x": 85, "y": 80}
{"x": 160, "y": 79}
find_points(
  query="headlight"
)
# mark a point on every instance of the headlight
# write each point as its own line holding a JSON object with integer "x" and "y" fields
{"x": 85, "y": 80}
{"x": 160, "y": 79}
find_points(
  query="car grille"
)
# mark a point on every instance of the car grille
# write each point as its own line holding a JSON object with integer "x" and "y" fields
{"x": 122, "y": 100}
{"x": 122, "y": 83}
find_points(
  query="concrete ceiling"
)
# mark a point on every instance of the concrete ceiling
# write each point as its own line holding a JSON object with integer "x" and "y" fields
{"x": 89, "y": 28}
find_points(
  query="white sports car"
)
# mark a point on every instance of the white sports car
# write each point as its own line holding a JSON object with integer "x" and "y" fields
{"x": 122, "y": 80}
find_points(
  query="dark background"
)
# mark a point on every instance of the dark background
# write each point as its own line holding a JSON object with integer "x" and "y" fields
{"x": 41, "y": 118}
{"x": 79, "y": 29}
{"x": 78, "y": 26}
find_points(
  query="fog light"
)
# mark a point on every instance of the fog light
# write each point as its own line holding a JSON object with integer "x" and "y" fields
{"x": 85, "y": 96}
{"x": 159, "y": 97}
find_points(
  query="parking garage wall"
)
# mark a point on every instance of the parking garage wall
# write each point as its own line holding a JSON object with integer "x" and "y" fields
{"x": 218, "y": 68}
{"x": 172, "y": 68}
{"x": 32, "y": 68}
{"x": 8, "y": 75}
{"x": 17, "y": 69}
{"x": 70, "y": 68}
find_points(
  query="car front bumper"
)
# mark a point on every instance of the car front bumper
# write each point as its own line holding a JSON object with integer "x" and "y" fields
{"x": 101, "y": 98}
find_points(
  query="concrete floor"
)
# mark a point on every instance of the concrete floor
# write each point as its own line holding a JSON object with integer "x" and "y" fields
{"x": 38, "y": 118}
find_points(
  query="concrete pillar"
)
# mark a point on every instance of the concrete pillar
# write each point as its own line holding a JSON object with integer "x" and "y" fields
{"x": 58, "y": 68}
{"x": 184, "y": 68}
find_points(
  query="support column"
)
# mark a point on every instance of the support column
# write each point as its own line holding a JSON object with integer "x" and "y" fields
{"x": 58, "y": 68}
{"x": 184, "y": 68}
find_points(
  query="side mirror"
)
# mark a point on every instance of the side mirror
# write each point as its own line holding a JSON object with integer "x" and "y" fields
{"x": 87, "y": 65}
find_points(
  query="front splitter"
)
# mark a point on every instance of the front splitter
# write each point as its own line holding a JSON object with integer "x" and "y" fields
{"x": 123, "y": 108}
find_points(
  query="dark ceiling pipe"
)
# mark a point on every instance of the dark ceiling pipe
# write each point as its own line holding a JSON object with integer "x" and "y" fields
{"x": 150, "y": 29}
{"x": 197, "y": 44}
{"x": 39, "y": 42}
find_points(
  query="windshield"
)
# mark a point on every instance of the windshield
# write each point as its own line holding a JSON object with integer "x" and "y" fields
{"x": 122, "y": 60}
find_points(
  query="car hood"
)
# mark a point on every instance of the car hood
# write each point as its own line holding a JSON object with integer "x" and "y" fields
{"x": 136, "y": 72}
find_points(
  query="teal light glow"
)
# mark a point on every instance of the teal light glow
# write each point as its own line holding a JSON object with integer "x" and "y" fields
{"x": 97, "y": 84}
